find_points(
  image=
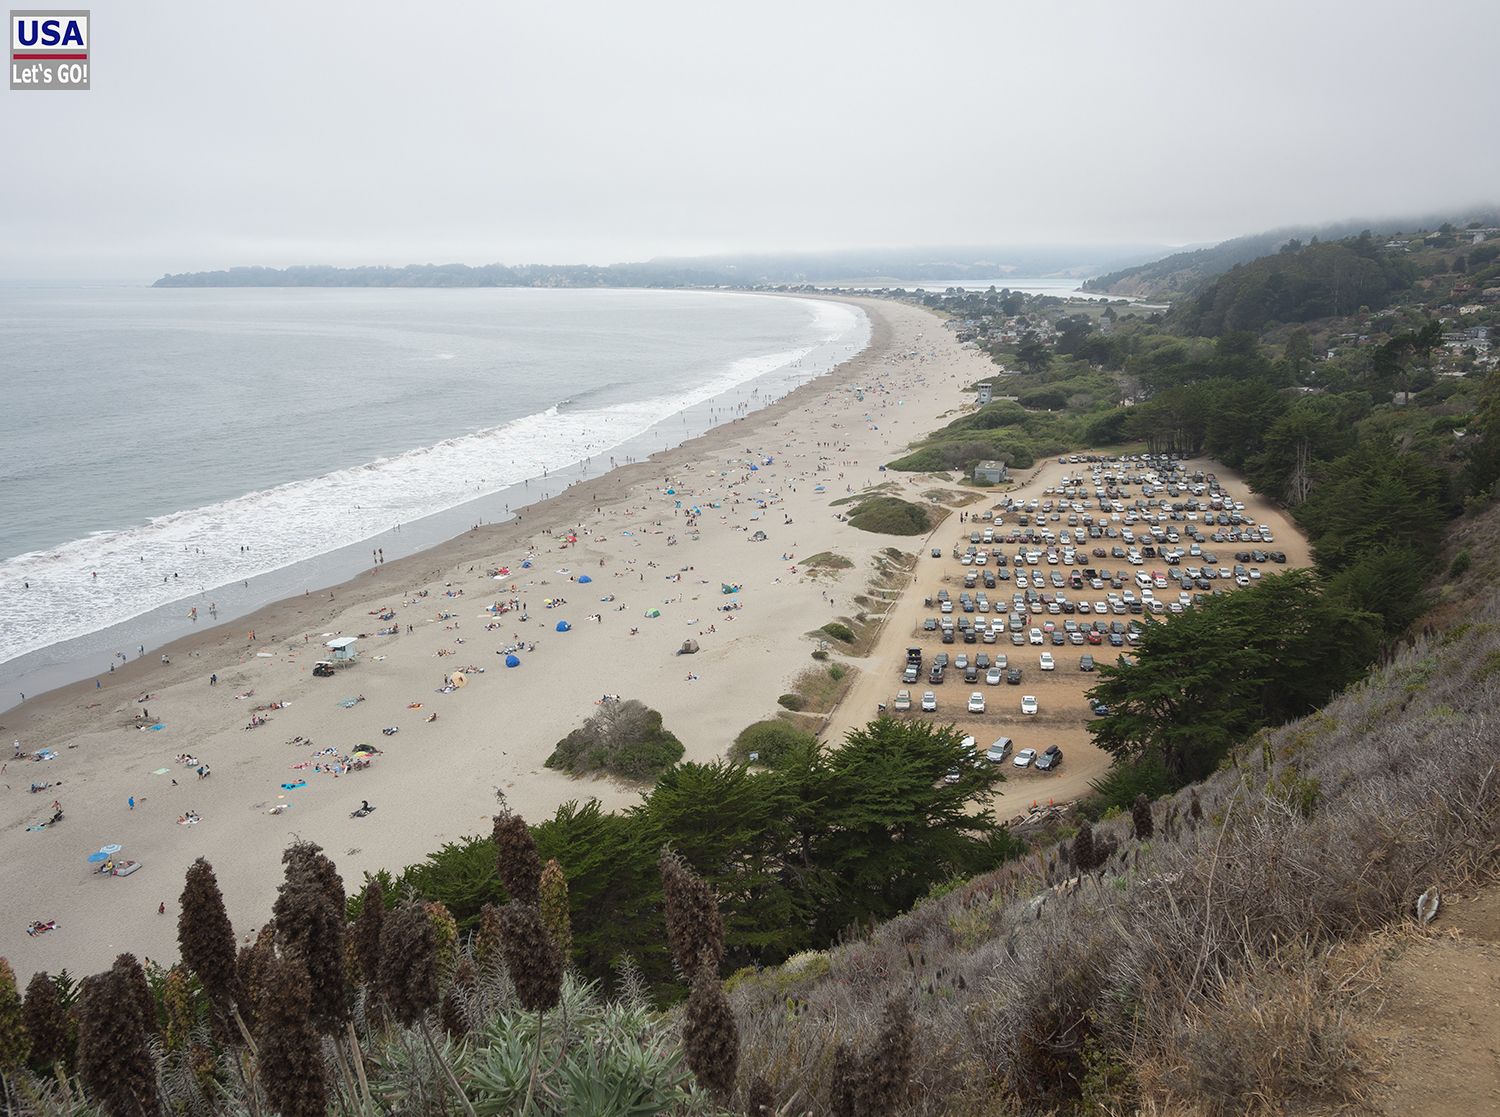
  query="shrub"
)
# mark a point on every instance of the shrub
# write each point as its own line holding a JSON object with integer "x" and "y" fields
{"x": 770, "y": 741}
{"x": 1460, "y": 565}
{"x": 839, "y": 631}
{"x": 793, "y": 702}
{"x": 827, "y": 560}
{"x": 890, "y": 515}
{"x": 625, "y": 739}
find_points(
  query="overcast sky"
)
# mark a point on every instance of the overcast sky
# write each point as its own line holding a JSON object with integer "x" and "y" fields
{"x": 373, "y": 132}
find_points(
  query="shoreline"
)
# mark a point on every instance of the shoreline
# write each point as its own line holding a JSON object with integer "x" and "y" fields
{"x": 82, "y": 658}
{"x": 436, "y": 783}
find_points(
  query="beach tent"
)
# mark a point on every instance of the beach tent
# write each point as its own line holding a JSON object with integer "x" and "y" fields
{"x": 584, "y": 579}
{"x": 526, "y": 564}
{"x": 342, "y": 648}
{"x": 689, "y": 647}
{"x": 653, "y": 612}
{"x": 563, "y": 626}
{"x": 758, "y": 537}
{"x": 512, "y": 661}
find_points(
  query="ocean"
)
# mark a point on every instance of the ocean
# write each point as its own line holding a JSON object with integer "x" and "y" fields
{"x": 170, "y": 449}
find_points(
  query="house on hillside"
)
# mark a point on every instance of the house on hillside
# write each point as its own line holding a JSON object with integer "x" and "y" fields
{"x": 991, "y": 473}
{"x": 986, "y": 392}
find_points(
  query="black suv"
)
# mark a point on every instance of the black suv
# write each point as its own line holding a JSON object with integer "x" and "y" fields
{"x": 1049, "y": 760}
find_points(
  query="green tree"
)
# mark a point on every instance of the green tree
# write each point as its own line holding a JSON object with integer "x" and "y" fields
{"x": 1215, "y": 674}
{"x": 892, "y": 824}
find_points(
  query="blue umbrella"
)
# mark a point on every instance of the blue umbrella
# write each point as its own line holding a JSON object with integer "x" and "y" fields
{"x": 95, "y": 858}
{"x": 584, "y": 578}
{"x": 512, "y": 661}
{"x": 111, "y": 848}
{"x": 563, "y": 626}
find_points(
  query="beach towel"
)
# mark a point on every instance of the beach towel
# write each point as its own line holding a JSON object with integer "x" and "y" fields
{"x": 293, "y": 786}
{"x": 157, "y": 727}
{"x": 349, "y": 703}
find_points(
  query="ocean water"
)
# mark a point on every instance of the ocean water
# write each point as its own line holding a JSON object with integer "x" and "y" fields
{"x": 165, "y": 447}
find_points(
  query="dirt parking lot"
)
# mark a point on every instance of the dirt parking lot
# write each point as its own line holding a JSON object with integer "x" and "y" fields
{"x": 1063, "y": 713}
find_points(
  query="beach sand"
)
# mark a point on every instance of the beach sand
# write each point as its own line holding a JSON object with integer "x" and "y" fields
{"x": 435, "y": 782}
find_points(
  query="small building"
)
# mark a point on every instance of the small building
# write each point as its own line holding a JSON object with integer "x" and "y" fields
{"x": 342, "y": 648}
{"x": 986, "y": 392}
{"x": 991, "y": 473}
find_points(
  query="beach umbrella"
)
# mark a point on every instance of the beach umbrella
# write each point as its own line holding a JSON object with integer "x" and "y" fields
{"x": 563, "y": 626}
{"x": 95, "y": 858}
{"x": 460, "y": 679}
{"x": 109, "y": 849}
{"x": 512, "y": 661}
{"x": 584, "y": 578}
{"x": 526, "y": 565}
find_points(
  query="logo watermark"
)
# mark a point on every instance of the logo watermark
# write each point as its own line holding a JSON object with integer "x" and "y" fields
{"x": 49, "y": 50}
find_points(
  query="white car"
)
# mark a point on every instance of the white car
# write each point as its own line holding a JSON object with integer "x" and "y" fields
{"x": 1047, "y": 662}
{"x": 1024, "y": 758}
{"x": 976, "y": 702}
{"x": 929, "y": 702}
{"x": 903, "y": 700}
{"x": 1028, "y": 703}
{"x": 993, "y": 676}
{"x": 1036, "y": 636}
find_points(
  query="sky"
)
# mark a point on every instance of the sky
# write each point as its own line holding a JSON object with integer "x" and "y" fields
{"x": 350, "y": 133}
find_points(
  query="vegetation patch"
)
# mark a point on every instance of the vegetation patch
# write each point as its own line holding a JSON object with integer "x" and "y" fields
{"x": 827, "y": 560}
{"x": 839, "y": 631}
{"x": 624, "y": 739}
{"x": 890, "y": 515}
{"x": 768, "y": 742}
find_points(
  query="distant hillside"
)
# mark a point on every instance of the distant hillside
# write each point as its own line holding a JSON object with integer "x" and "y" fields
{"x": 1298, "y": 284}
{"x": 730, "y": 270}
{"x": 1183, "y": 271}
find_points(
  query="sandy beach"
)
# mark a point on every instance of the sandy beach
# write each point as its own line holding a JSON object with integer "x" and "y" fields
{"x": 119, "y": 776}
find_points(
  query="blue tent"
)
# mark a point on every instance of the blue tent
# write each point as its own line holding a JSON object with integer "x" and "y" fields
{"x": 512, "y": 661}
{"x": 584, "y": 579}
{"x": 563, "y": 626}
{"x": 525, "y": 564}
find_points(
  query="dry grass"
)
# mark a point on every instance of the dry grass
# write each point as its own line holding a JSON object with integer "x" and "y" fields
{"x": 1205, "y": 971}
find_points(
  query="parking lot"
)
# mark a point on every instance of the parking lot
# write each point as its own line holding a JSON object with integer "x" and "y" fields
{"x": 1072, "y": 563}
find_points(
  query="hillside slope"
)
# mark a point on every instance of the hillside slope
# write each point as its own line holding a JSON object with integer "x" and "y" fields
{"x": 1216, "y": 965}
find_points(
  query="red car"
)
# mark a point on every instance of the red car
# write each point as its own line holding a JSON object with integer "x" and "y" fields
{"x": 1093, "y": 637}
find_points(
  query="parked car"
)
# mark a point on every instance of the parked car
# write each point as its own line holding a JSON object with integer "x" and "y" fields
{"x": 997, "y": 752}
{"x": 1028, "y": 704}
{"x": 1024, "y": 758}
{"x": 1049, "y": 760}
{"x": 1036, "y": 636}
{"x": 993, "y": 676}
{"x": 1048, "y": 663}
{"x": 903, "y": 700}
{"x": 929, "y": 702}
{"x": 976, "y": 702}
{"x": 1085, "y": 663}
{"x": 1013, "y": 676}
